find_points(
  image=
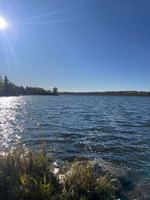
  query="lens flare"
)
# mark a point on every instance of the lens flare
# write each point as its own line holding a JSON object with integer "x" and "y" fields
{"x": 3, "y": 23}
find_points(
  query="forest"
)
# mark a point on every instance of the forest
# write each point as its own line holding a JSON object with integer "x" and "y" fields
{"x": 7, "y": 88}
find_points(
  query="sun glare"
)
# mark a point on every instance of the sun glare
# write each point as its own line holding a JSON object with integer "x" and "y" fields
{"x": 3, "y": 23}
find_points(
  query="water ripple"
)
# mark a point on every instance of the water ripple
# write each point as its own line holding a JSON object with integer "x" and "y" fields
{"x": 115, "y": 129}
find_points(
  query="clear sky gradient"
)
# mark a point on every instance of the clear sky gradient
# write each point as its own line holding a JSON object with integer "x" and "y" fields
{"x": 77, "y": 45}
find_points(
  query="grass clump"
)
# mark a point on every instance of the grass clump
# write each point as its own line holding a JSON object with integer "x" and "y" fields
{"x": 81, "y": 183}
{"x": 29, "y": 175}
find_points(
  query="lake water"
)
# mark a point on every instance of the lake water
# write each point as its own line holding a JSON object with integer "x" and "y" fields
{"x": 109, "y": 128}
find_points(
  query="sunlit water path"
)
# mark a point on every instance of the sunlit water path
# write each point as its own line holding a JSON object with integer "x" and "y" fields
{"x": 115, "y": 129}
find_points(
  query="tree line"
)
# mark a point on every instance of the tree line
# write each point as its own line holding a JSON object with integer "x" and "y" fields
{"x": 7, "y": 88}
{"x": 109, "y": 93}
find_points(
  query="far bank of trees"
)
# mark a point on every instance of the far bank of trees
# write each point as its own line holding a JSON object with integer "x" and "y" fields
{"x": 110, "y": 93}
{"x": 7, "y": 88}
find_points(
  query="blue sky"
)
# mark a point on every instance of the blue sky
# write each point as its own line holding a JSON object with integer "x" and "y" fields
{"x": 76, "y": 45}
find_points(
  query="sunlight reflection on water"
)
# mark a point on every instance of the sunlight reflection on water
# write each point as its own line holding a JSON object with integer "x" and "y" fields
{"x": 115, "y": 129}
{"x": 9, "y": 122}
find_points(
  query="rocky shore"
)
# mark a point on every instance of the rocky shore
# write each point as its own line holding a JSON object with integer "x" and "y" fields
{"x": 125, "y": 188}
{"x": 28, "y": 174}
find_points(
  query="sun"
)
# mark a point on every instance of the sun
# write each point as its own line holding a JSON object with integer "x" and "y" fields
{"x": 3, "y": 23}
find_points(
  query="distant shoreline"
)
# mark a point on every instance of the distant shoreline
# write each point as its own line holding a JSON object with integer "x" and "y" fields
{"x": 138, "y": 94}
{"x": 110, "y": 93}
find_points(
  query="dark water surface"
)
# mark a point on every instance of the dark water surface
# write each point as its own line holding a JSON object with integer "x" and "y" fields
{"x": 115, "y": 129}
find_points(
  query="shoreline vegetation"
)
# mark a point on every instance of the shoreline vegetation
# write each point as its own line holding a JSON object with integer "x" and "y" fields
{"x": 35, "y": 174}
{"x": 8, "y": 88}
{"x": 109, "y": 93}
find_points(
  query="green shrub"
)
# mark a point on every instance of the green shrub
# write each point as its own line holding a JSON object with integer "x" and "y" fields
{"x": 27, "y": 175}
{"x": 81, "y": 183}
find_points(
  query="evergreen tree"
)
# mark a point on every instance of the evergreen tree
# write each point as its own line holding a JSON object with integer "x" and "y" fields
{"x": 55, "y": 90}
{"x": 6, "y": 86}
{"x": 1, "y": 85}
